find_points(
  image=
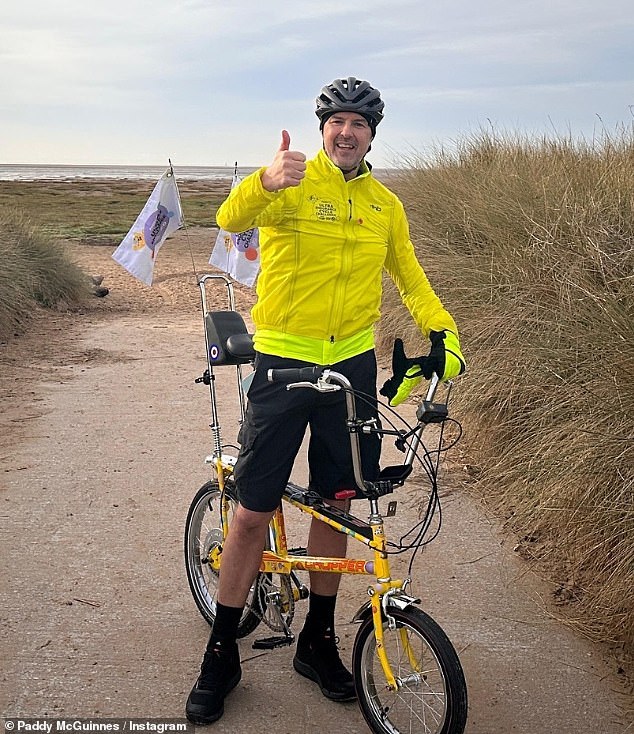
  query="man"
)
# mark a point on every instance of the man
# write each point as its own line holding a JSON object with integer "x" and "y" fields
{"x": 328, "y": 228}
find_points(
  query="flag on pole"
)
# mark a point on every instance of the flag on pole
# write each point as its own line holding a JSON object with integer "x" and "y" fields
{"x": 161, "y": 216}
{"x": 238, "y": 255}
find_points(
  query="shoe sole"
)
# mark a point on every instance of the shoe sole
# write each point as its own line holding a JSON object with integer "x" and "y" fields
{"x": 308, "y": 672}
{"x": 198, "y": 719}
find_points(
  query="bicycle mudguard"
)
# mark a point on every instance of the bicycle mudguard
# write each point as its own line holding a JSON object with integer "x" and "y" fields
{"x": 399, "y": 601}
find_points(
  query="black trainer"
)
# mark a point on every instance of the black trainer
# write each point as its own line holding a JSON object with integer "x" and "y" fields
{"x": 318, "y": 659}
{"x": 220, "y": 672}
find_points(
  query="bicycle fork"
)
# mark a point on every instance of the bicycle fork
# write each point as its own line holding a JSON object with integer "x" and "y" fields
{"x": 383, "y": 594}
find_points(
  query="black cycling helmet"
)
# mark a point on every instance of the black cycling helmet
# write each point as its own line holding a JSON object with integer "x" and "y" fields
{"x": 350, "y": 95}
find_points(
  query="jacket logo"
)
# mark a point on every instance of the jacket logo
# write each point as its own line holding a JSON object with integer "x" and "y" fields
{"x": 325, "y": 211}
{"x": 375, "y": 207}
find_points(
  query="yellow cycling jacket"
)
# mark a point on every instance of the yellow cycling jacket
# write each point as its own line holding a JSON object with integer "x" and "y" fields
{"x": 323, "y": 247}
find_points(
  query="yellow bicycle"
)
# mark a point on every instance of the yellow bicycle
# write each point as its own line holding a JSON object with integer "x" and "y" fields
{"x": 407, "y": 674}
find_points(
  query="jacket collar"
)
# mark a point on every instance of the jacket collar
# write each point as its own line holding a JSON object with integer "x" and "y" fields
{"x": 327, "y": 167}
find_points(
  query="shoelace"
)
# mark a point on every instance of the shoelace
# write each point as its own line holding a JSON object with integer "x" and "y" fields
{"x": 214, "y": 666}
{"x": 330, "y": 652}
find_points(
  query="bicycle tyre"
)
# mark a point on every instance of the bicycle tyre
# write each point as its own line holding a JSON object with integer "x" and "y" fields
{"x": 433, "y": 696}
{"x": 203, "y": 530}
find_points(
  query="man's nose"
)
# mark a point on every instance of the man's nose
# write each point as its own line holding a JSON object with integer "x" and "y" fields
{"x": 347, "y": 129}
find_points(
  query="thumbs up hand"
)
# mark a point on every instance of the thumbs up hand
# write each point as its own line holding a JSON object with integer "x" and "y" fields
{"x": 288, "y": 167}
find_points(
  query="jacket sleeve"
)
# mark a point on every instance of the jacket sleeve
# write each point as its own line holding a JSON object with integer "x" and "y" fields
{"x": 412, "y": 283}
{"x": 250, "y": 205}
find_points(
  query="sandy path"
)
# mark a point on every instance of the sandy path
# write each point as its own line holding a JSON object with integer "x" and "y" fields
{"x": 102, "y": 439}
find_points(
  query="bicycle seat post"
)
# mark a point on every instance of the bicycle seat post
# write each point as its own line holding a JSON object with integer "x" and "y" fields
{"x": 215, "y": 421}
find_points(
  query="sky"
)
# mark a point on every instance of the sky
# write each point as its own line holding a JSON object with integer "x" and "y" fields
{"x": 210, "y": 82}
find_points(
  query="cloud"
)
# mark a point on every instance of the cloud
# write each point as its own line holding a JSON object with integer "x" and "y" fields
{"x": 146, "y": 72}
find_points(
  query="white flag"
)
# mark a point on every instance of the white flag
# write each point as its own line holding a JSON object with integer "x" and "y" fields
{"x": 161, "y": 216}
{"x": 238, "y": 255}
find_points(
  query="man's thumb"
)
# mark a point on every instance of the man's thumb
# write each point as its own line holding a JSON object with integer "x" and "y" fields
{"x": 286, "y": 140}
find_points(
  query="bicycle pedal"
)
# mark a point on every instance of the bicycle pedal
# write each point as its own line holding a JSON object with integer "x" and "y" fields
{"x": 270, "y": 643}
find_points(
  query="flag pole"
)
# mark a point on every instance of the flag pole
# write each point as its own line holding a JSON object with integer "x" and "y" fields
{"x": 191, "y": 252}
{"x": 226, "y": 268}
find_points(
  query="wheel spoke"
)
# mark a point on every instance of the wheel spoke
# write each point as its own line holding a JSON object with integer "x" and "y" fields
{"x": 428, "y": 675}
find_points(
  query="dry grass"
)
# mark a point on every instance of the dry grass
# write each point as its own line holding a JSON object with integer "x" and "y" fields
{"x": 531, "y": 244}
{"x": 35, "y": 272}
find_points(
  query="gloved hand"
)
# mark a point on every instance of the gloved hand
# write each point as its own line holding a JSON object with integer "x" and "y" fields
{"x": 406, "y": 374}
{"x": 444, "y": 358}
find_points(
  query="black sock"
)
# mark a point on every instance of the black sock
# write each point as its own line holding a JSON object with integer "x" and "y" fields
{"x": 225, "y": 629}
{"x": 320, "y": 620}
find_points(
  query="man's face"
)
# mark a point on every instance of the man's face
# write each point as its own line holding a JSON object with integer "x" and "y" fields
{"x": 347, "y": 137}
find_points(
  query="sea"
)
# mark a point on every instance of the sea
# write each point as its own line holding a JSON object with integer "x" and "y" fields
{"x": 19, "y": 172}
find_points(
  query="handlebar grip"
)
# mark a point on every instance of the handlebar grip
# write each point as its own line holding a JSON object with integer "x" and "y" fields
{"x": 295, "y": 374}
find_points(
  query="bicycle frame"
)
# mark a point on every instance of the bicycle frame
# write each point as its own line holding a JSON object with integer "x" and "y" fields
{"x": 277, "y": 559}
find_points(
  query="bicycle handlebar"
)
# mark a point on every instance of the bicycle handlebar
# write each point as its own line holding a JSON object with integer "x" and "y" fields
{"x": 296, "y": 374}
{"x": 313, "y": 374}
{"x": 433, "y": 385}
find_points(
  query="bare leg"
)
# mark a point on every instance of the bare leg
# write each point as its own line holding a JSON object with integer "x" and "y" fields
{"x": 242, "y": 555}
{"x": 326, "y": 541}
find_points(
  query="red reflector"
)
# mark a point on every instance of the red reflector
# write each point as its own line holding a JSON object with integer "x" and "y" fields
{"x": 345, "y": 494}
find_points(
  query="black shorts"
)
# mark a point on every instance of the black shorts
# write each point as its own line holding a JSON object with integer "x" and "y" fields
{"x": 274, "y": 428}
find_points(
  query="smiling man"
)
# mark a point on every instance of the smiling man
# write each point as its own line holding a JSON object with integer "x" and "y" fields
{"x": 347, "y": 137}
{"x": 328, "y": 230}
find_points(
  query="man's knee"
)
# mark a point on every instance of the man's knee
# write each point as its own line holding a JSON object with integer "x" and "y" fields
{"x": 249, "y": 521}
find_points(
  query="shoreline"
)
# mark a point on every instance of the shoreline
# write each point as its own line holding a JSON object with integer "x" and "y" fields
{"x": 50, "y": 172}
{"x": 25, "y": 173}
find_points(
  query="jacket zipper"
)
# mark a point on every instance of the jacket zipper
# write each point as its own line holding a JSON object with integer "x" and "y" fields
{"x": 346, "y": 253}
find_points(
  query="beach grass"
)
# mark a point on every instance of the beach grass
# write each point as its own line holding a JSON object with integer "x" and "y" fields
{"x": 530, "y": 243}
{"x": 38, "y": 217}
{"x": 36, "y": 272}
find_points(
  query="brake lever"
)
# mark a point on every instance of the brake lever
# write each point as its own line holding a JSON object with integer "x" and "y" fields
{"x": 320, "y": 386}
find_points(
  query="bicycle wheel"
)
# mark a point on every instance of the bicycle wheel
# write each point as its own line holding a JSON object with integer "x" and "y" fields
{"x": 203, "y": 533}
{"x": 432, "y": 694}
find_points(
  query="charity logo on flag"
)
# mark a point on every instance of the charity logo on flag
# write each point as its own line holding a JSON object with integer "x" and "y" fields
{"x": 161, "y": 216}
{"x": 238, "y": 255}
